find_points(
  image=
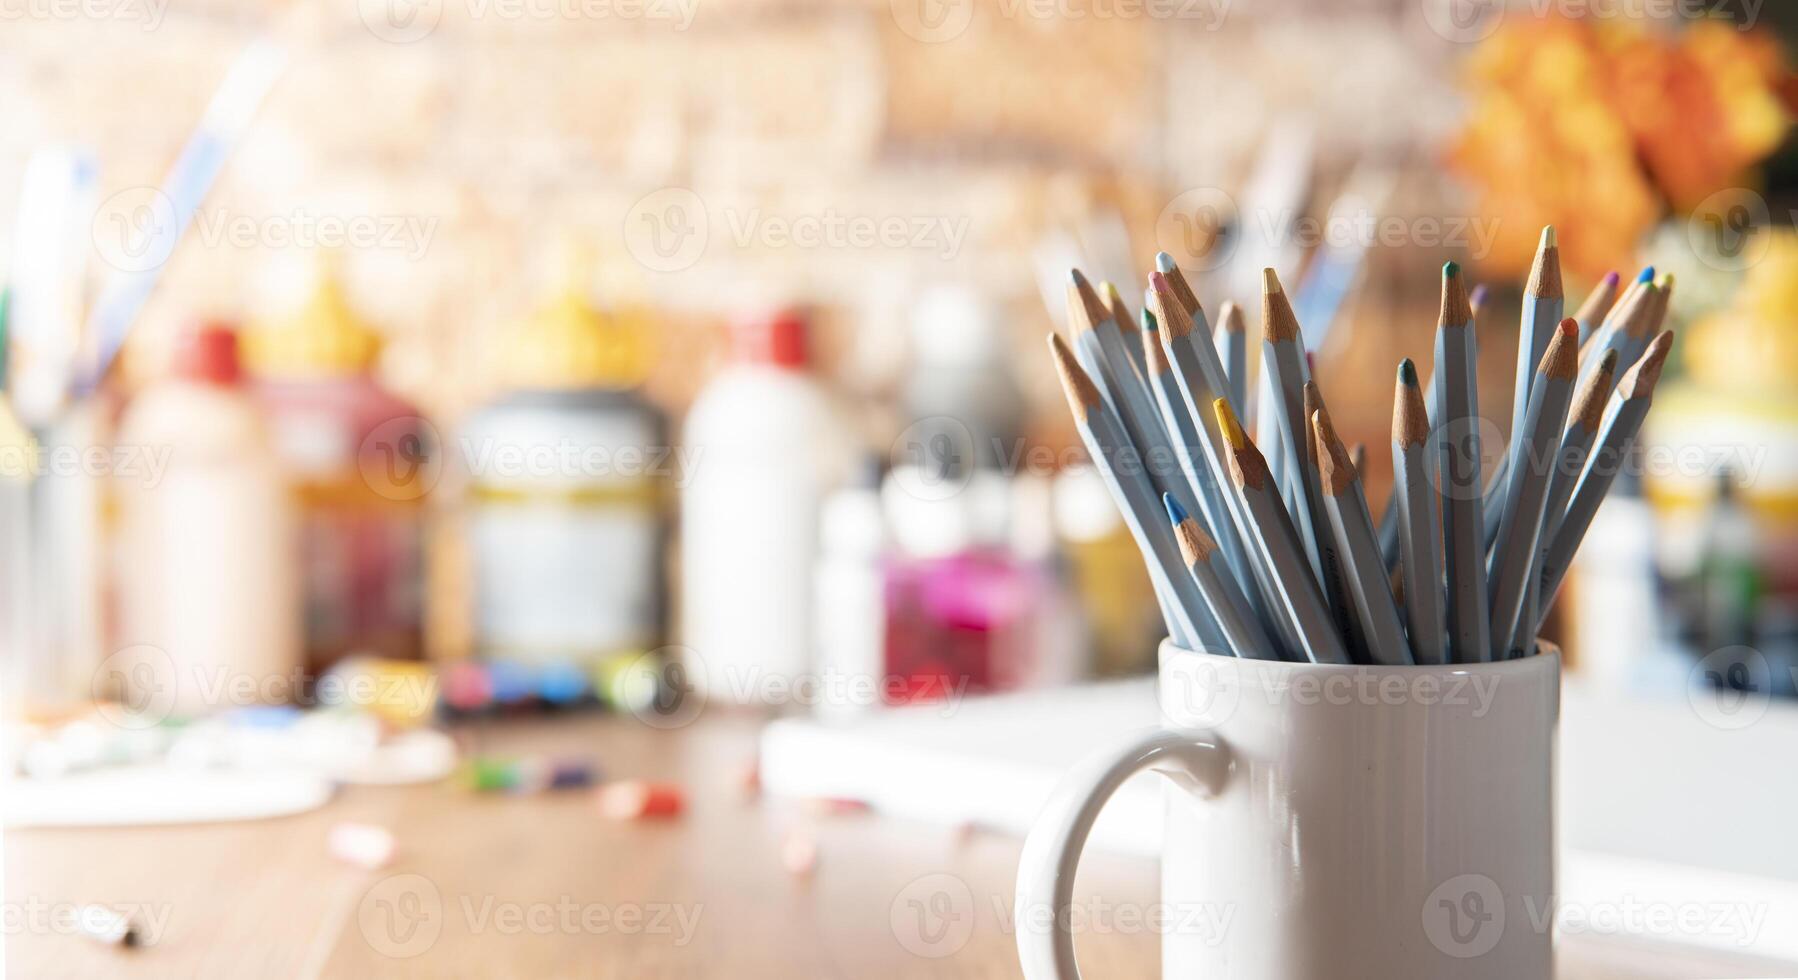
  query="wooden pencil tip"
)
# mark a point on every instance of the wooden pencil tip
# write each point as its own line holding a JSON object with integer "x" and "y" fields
{"x": 1226, "y": 422}
{"x": 1335, "y": 467}
{"x": 1609, "y": 361}
{"x": 1589, "y": 400}
{"x": 1085, "y": 310}
{"x": 1232, "y": 318}
{"x": 1164, "y": 262}
{"x": 1548, "y": 236}
{"x": 1176, "y": 318}
{"x": 1278, "y": 322}
{"x": 1611, "y": 278}
{"x": 1561, "y": 359}
{"x": 1082, "y": 394}
{"x": 1114, "y": 305}
{"x": 1665, "y": 281}
{"x": 1195, "y": 545}
{"x": 1647, "y": 274}
{"x": 1456, "y": 310}
{"x": 1149, "y": 323}
{"x": 1641, "y": 379}
{"x": 1410, "y": 420}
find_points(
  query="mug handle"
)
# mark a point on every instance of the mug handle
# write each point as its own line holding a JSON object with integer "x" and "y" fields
{"x": 1197, "y": 761}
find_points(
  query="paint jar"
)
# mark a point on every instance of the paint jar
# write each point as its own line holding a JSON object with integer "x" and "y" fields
{"x": 208, "y": 588}
{"x": 358, "y": 460}
{"x": 567, "y": 477}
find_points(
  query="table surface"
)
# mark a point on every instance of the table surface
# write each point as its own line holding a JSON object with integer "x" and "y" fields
{"x": 541, "y": 886}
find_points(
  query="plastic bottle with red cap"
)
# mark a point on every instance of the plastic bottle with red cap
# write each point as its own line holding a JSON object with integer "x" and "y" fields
{"x": 207, "y": 577}
{"x": 765, "y": 444}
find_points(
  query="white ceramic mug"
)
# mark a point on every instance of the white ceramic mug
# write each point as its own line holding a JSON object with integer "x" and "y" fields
{"x": 1328, "y": 822}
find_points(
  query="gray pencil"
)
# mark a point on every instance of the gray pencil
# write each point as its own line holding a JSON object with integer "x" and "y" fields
{"x": 1616, "y": 435}
{"x": 1329, "y": 552}
{"x": 1189, "y": 622}
{"x": 1228, "y": 605}
{"x": 1363, "y": 574}
{"x": 1543, "y": 303}
{"x": 1101, "y": 342}
{"x": 1583, "y": 420}
{"x": 1283, "y": 358}
{"x": 1421, "y": 564}
{"x": 1278, "y": 544}
{"x": 1626, "y": 329}
{"x": 1233, "y": 350}
{"x": 1535, "y": 444}
{"x": 1597, "y": 304}
{"x": 1456, "y": 444}
{"x": 1199, "y": 377}
{"x": 1127, "y": 326}
{"x": 1189, "y": 443}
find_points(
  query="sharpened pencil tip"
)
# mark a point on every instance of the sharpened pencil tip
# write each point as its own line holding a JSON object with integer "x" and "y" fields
{"x": 1270, "y": 281}
{"x": 1175, "y": 512}
{"x": 1164, "y": 262}
{"x": 1226, "y": 421}
{"x": 1548, "y": 236}
{"x": 1665, "y": 282}
{"x": 1570, "y": 327}
{"x": 1477, "y": 298}
{"x": 1450, "y": 270}
{"x": 1612, "y": 278}
{"x": 1231, "y": 315}
{"x": 1641, "y": 379}
{"x": 1149, "y": 323}
{"x": 1077, "y": 279}
{"x": 1407, "y": 372}
{"x": 1647, "y": 274}
{"x": 1609, "y": 361}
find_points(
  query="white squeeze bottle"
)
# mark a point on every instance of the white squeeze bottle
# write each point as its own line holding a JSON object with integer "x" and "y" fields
{"x": 764, "y": 447}
{"x": 208, "y": 577}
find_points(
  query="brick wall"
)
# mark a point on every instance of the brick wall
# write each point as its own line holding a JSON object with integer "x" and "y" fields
{"x": 974, "y": 125}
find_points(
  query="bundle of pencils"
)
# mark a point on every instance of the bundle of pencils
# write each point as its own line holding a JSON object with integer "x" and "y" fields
{"x": 1280, "y": 558}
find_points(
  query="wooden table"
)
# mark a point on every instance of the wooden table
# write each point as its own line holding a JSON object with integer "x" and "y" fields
{"x": 504, "y": 887}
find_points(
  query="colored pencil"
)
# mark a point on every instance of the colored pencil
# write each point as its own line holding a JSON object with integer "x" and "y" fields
{"x": 1420, "y": 544}
{"x": 1101, "y": 340}
{"x": 1543, "y": 305}
{"x": 1242, "y": 630}
{"x": 1278, "y": 544}
{"x": 1120, "y": 314}
{"x": 1111, "y": 452}
{"x": 1190, "y": 446}
{"x": 1283, "y": 360}
{"x": 1616, "y": 436}
{"x": 1536, "y": 439}
{"x": 1457, "y": 451}
{"x": 1233, "y": 350}
{"x": 1597, "y": 304}
{"x": 1330, "y": 559}
{"x": 1199, "y": 378}
{"x": 1583, "y": 420}
{"x": 1363, "y": 574}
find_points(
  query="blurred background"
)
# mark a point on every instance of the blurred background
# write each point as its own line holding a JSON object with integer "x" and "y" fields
{"x": 473, "y": 394}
